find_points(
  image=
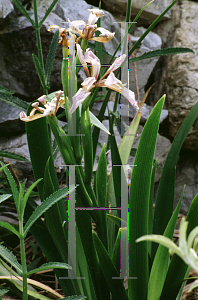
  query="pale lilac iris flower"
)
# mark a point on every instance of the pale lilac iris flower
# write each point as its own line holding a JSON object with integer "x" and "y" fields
{"x": 91, "y": 82}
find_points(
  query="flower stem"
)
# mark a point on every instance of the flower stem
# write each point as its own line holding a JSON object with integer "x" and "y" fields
{"x": 38, "y": 39}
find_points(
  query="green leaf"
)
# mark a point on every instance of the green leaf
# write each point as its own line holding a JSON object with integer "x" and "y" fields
{"x": 3, "y": 292}
{"x": 48, "y": 266}
{"x": 87, "y": 141}
{"x": 45, "y": 205}
{"x": 177, "y": 270}
{"x": 39, "y": 70}
{"x": 97, "y": 123}
{"x": 116, "y": 161}
{"x": 27, "y": 194}
{"x": 4, "y": 90}
{"x": 48, "y": 12}
{"x": 116, "y": 220}
{"x": 161, "y": 52}
{"x": 164, "y": 203}
{"x": 84, "y": 224}
{"x": 13, "y": 186}
{"x": 101, "y": 188}
{"x": 24, "y": 11}
{"x": 122, "y": 234}
{"x": 10, "y": 258}
{"x": 116, "y": 286}
{"x": 74, "y": 298}
{"x": 160, "y": 264}
{"x": 12, "y": 155}
{"x": 14, "y": 101}
{"x": 139, "y": 196}
{"x": 10, "y": 228}
{"x": 51, "y": 57}
{"x": 5, "y": 197}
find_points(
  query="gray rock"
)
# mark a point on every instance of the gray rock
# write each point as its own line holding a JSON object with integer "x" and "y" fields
{"x": 129, "y": 111}
{"x": 178, "y": 77}
{"x": 150, "y": 13}
{"x": 6, "y": 7}
{"x": 10, "y": 123}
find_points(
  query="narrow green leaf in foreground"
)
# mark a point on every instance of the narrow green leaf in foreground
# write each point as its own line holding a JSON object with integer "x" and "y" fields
{"x": 5, "y": 197}
{"x": 14, "y": 101}
{"x": 12, "y": 155}
{"x": 10, "y": 228}
{"x": 45, "y": 205}
{"x": 10, "y": 258}
{"x": 139, "y": 196}
{"x": 164, "y": 205}
{"x": 161, "y": 261}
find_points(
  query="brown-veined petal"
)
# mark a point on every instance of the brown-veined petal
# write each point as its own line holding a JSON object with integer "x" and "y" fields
{"x": 82, "y": 59}
{"x": 95, "y": 68}
{"x": 105, "y": 35}
{"x": 115, "y": 84}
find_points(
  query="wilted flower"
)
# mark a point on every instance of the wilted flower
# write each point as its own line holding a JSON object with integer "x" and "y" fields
{"x": 110, "y": 82}
{"x": 90, "y": 28}
{"x": 50, "y": 108}
{"x": 184, "y": 251}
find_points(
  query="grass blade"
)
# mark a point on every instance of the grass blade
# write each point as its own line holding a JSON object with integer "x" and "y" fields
{"x": 48, "y": 12}
{"x": 14, "y": 101}
{"x": 161, "y": 52}
{"x": 51, "y": 265}
{"x": 12, "y": 155}
{"x": 24, "y": 11}
{"x": 151, "y": 27}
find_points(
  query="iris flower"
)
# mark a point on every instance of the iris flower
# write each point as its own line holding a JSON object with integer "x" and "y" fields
{"x": 90, "y": 28}
{"x": 91, "y": 81}
{"x": 50, "y": 108}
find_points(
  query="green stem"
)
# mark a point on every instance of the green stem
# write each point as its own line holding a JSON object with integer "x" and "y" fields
{"x": 64, "y": 77}
{"x": 23, "y": 261}
{"x": 38, "y": 39}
